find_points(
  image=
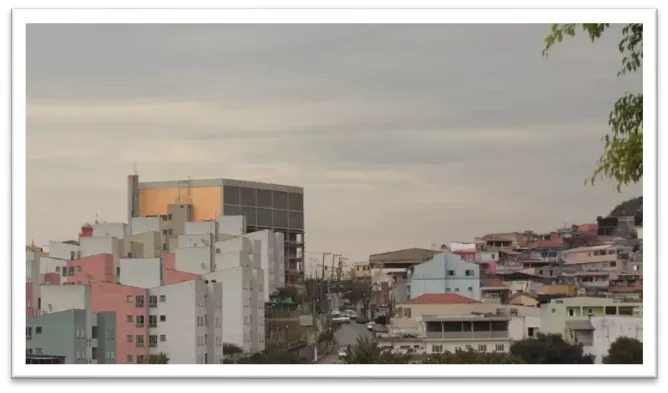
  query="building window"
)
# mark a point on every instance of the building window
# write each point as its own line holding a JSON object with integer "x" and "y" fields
{"x": 571, "y": 312}
{"x": 554, "y": 310}
{"x": 163, "y": 318}
{"x": 79, "y": 268}
{"x": 613, "y": 264}
{"x": 73, "y": 255}
{"x": 130, "y": 298}
{"x": 129, "y": 358}
{"x": 93, "y": 332}
{"x": 139, "y": 301}
{"x": 470, "y": 289}
{"x": 163, "y": 338}
{"x": 94, "y": 353}
{"x": 29, "y": 331}
{"x": 469, "y": 273}
{"x": 451, "y": 272}
{"x": 57, "y": 269}
{"x": 482, "y": 347}
{"x": 469, "y": 347}
{"x": 152, "y": 321}
{"x": 163, "y": 298}
{"x": 447, "y": 290}
{"x": 38, "y": 330}
{"x": 64, "y": 271}
{"x": 437, "y": 348}
{"x": 531, "y": 332}
{"x": 218, "y": 251}
{"x": 153, "y": 301}
{"x": 152, "y": 340}
{"x": 590, "y": 311}
{"x": 139, "y": 341}
{"x": 140, "y": 359}
{"x": 71, "y": 270}
{"x": 169, "y": 216}
{"x": 129, "y": 338}
{"x": 139, "y": 321}
{"x": 456, "y": 289}
{"x": 500, "y": 347}
{"x": 130, "y": 318}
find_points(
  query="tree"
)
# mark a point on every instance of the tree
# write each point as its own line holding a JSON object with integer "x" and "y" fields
{"x": 472, "y": 357}
{"x": 159, "y": 358}
{"x": 625, "y": 350}
{"x": 549, "y": 349}
{"x": 368, "y": 352}
{"x": 358, "y": 291}
{"x": 622, "y": 156}
{"x": 232, "y": 350}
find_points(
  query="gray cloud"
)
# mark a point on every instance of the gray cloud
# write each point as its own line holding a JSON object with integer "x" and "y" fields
{"x": 402, "y": 135}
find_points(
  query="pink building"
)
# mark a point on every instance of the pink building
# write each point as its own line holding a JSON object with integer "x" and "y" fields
{"x": 592, "y": 258}
{"x": 30, "y": 311}
{"x": 173, "y": 276}
{"x": 169, "y": 260}
{"x": 467, "y": 255}
{"x": 52, "y": 278}
{"x": 92, "y": 268}
{"x": 131, "y": 307}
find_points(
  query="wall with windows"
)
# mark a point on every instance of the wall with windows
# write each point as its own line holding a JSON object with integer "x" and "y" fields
{"x": 445, "y": 273}
{"x": 130, "y": 304}
{"x": 106, "y": 338}
{"x": 177, "y": 320}
{"x": 61, "y": 250}
{"x": 60, "y": 333}
{"x": 92, "y": 268}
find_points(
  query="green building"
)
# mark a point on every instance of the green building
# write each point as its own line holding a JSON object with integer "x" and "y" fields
{"x": 556, "y": 314}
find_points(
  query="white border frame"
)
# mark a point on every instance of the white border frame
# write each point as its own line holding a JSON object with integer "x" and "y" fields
{"x": 22, "y": 17}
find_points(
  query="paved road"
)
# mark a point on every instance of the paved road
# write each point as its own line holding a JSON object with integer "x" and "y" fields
{"x": 346, "y": 335}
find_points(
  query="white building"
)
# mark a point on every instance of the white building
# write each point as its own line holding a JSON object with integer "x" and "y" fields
{"x": 607, "y": 329}
{"x": 118, "y": 230}
{"x": 184, "y": 334}
{"x": 439, "y": 334}
{"x": 145, "y": 224}
{"x": 95, "y": 245}
{"x": 142, "y": 272}
{"x": 64, "y": 250}
{"x": 279, "y": 256}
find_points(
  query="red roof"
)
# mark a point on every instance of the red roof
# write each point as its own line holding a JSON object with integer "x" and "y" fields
{"x": 442, "y": 298}
{"x": 492, "y": 283}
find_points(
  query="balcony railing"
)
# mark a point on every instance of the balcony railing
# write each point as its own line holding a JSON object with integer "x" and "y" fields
{"x": 468, "y": 335}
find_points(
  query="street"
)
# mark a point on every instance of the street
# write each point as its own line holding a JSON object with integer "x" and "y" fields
{"x": 346, "y": 335}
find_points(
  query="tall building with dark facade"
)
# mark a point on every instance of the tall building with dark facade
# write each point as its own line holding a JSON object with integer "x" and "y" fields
{"x": 276, "y": 207}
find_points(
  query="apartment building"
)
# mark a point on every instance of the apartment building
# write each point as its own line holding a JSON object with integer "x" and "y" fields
{"x": 449, "y": 304}
{"x": 180, "y": 325}
{"x": 62, "y": 333}
{"x": 606, "y": 257}
{"x": 558, "y": 314}
{"x": 438, "y": 334}
{"x": 445, "y": 273}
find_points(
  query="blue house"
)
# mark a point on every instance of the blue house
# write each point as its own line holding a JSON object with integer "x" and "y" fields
{"x": 445, "y": 273}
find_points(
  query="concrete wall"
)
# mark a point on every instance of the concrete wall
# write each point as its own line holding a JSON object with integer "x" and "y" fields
{"x": 267, "y": 259}
{"x": 445, "y": 273}
{"x": 214, "y": 309}
{"x": 201, "y": 228}
{"x": 232, "y": 225}
{"x": 106, "y": 338}
{"x": 118, "y": 230}
{"x": 149, "y": 245}
{"x": 142, "y": 272}
{"x": 146, "y": 224}
{"x": 193, "y": 260}
{"x": 184, "y": 307}
{"x": 610, "y": 328}
{"x": 523, "y": 327}
{"x": 62, "y": 333}
{"x": 62, "y": 250}
{"x": 98, "y": 267}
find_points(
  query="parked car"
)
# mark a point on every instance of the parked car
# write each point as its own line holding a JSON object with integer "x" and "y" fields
{"x": 341, "y": 319}
{"x": 361, "y": 320}
{"x": 343, "y": 351}
{"x": 370, "y": 325}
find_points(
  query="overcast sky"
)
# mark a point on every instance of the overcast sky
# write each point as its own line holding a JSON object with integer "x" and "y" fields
{"x": 401, "y": 135}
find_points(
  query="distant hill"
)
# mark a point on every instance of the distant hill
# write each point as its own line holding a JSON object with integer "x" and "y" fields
{"x": 631, "y": 207}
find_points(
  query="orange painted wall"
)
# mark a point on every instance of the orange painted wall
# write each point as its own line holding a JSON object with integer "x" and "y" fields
{"x": 205, "y": 201}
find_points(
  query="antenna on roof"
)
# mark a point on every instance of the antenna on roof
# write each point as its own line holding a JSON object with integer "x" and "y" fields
{"x": 134, "y": 168}
{"x": 97, "y": 216}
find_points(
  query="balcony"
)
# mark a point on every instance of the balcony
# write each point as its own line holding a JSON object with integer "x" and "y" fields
{"x": 501, "y": 334}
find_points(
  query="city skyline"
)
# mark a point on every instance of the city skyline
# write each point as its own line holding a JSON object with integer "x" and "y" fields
{"x": 401, "y": 136}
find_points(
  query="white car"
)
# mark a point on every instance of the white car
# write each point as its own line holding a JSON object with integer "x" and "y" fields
{"x": 344, "y": 319}
{"x": 370, "y": 325}
{"x": 342, "y": 352}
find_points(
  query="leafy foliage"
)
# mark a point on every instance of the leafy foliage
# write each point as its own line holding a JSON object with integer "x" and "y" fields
{"x": 231, "y": 349}
{"x": 358, "y": 290}
{"x": 472, "y": 357}
{"x": 622, "y": 156}
{"x": 271, "y": 355}
{"x": 159, "y": 358}
{"x": 624, "y": 350}
{"x": 368, "y": 352}
{"x": 549, "y": 349}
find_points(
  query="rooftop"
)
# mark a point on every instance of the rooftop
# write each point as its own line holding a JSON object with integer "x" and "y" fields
{"x": 442, "y": 298}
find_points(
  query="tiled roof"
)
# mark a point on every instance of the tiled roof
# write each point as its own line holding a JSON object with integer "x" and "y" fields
{"x": 492, "y": 283}
{"x": 442, "y": 298}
